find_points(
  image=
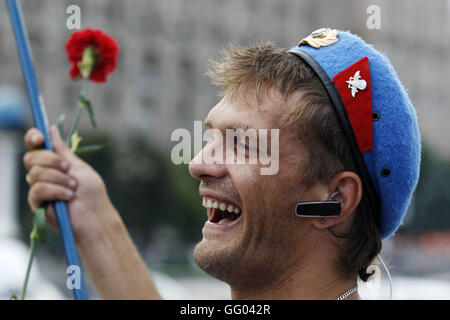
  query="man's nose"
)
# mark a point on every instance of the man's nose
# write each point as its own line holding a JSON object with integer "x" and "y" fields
{"x": 202, "y": 168}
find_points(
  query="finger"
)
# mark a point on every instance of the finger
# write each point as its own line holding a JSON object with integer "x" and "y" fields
{"x": 59, "y": 145}
{"x": 44, "y": 191}
{"x": 33, "y": 139}
{"x": 27, "y": 178}
{"x": 50, "y": 217}
{"x": 44, "y": 158}
{"x": 54, "y": 176}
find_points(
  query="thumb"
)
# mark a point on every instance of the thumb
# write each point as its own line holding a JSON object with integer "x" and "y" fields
{"x": 59, "y": 145}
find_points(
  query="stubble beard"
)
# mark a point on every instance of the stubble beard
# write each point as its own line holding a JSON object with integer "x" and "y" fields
{"x": 249, "y": 262}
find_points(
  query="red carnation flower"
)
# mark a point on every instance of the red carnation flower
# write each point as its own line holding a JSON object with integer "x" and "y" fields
{"x": 100, "y": 59}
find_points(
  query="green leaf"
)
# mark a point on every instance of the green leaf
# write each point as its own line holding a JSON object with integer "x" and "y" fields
{"x": 83, "y": 102}
{"x": 93, "y": 148}
{"x": 13, "y": 297}
{"x": 39, "y": 227}
{"x": 60, "y": 125}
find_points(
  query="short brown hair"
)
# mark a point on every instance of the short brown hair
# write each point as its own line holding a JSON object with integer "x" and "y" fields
{"x": 328, "y": 153}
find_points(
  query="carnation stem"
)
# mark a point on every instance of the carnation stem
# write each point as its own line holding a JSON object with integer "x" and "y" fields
{"x": 78, "y": 114}
{"x": 74, "y": 126}
{"x": 84, "y": 85}
{"x": 30, "y": 263}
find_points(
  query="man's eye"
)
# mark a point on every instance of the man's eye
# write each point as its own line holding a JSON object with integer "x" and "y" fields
{"x": 244, "y": 149}
{"x": 242, "y": 144}
{"x": 210, "y": 138}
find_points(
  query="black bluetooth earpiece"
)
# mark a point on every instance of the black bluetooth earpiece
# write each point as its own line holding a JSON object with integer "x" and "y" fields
{"x": 319, "y": 209}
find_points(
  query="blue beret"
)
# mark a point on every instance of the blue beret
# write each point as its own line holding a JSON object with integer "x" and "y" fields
{"x": 389, "y": 141}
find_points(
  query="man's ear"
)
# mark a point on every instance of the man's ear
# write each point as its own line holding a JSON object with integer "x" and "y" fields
{"x": 349, "y": 186}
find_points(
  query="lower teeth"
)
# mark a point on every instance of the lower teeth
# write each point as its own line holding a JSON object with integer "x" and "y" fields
{"x": 226, "y": 220}
{"x": 226, "y": 216}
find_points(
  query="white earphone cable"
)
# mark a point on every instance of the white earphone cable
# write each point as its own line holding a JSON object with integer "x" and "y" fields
{"x": 388, "y": 274}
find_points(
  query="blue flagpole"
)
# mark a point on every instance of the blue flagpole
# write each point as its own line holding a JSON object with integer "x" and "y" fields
{"x": 41, "y": 123}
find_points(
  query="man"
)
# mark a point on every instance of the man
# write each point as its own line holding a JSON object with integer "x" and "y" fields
{"x": 348, "y": 135}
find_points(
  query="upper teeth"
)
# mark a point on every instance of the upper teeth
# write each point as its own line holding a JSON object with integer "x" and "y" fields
{"x": 208, "y": 203}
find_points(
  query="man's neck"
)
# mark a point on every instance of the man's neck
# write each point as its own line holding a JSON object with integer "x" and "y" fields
{"x": 318, "y": 281}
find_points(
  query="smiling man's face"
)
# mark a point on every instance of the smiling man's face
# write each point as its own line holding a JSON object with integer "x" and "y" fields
{"x": 262, "y": 238}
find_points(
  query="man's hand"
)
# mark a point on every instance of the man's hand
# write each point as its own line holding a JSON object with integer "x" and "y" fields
{"x": 105, "y": 246}
{"x": 61, "y": 175}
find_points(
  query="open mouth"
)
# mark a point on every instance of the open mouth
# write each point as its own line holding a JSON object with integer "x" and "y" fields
{"x": 221, "y": 212}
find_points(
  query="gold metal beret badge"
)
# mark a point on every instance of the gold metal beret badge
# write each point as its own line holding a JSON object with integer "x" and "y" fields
{"x": 320, "y": 38}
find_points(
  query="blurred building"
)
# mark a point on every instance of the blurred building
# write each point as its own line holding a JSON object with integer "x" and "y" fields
{"x": 12, "y": 119}
{"x": 159, "y": 84}
{"x": 165, "y": 46}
